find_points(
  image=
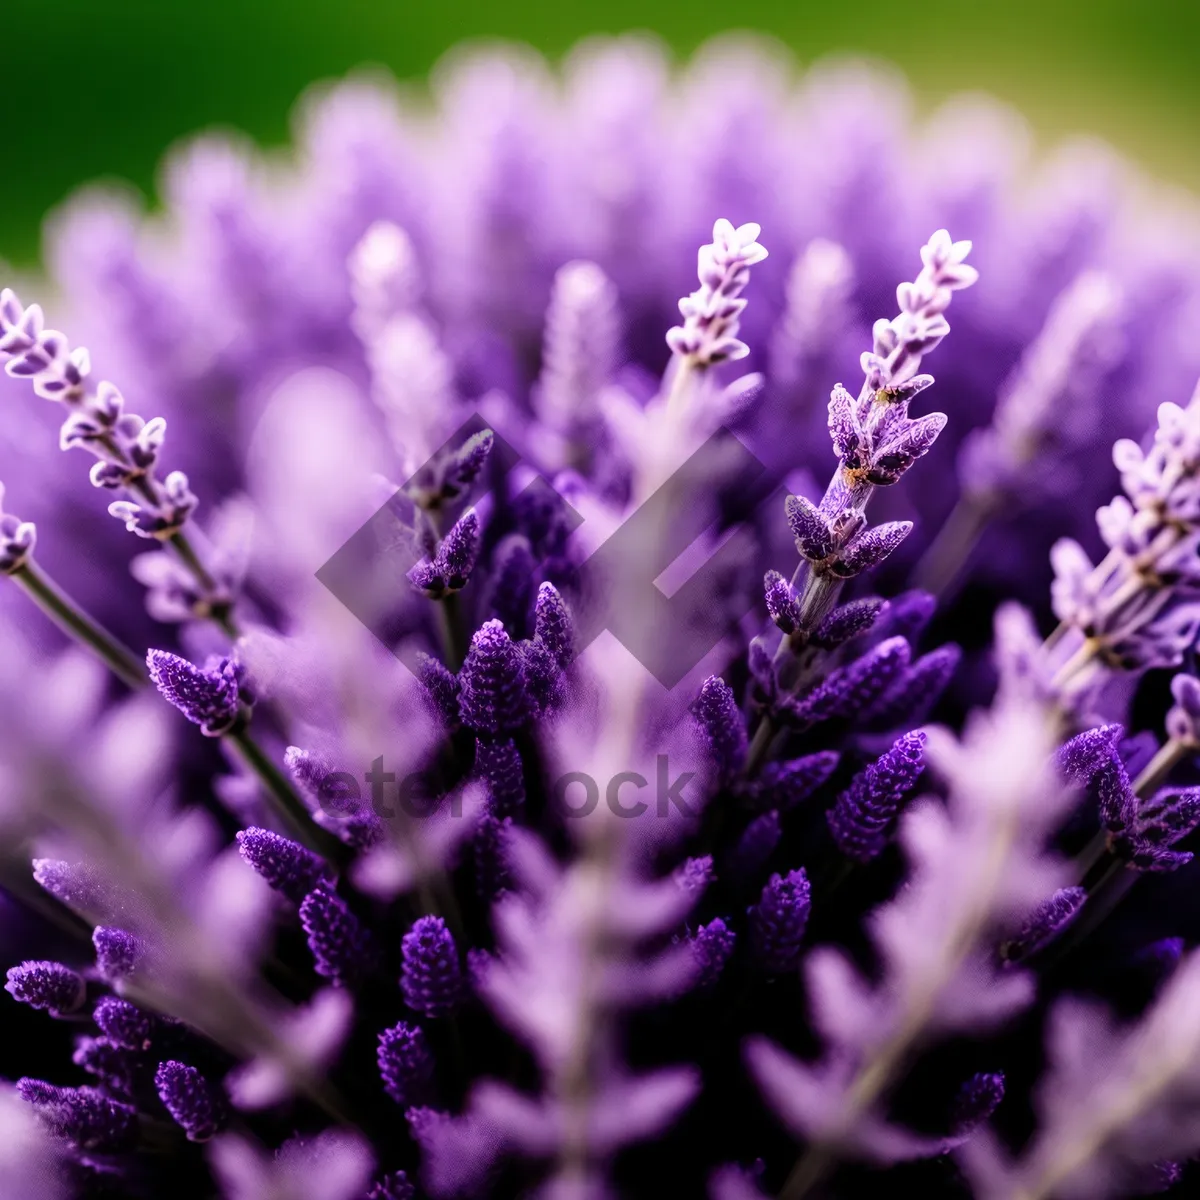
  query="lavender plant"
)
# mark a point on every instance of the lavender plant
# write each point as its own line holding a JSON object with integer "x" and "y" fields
{"x": 535, "y": 826}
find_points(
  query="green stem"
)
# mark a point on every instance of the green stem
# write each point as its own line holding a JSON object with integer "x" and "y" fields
{"x": 69, "y": 617}
{"x": 288, "y": 804}
{"x": 219, "y": 612}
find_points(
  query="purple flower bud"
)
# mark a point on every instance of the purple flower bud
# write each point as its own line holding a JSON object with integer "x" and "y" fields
{"x": 197, "y": 1106}
{"x": 117, "y": 952}
{"x": 1045, "y": 923}
{"x": 848, "y": 621}
{"x": 695, "y": 874}
{"x": 17, "y": 540}
{"x": 1183, "y": 720}
{"x": 462, "y": 467}
{"x": 430, "y": 975}
{"x": 783, "y": 605}
{"x": 911, "y": 698}
{"x": 452, "y": 565}
{"x": 405, "y": 1063}
{"x": 721, "y": 724}
{"x": 1080, "y": 758}
{"x": 553, "y": 625}
{"x": 395, "y": 1186}
{"x": 125, "y": 1024}
{"x": 342, "y": 949}
{"x": 48, "y": 985}
{"x": 712, "y": 945}
{"x": 913, "y": 440}
{"x": 441, "y": 687}
{"x": 83, "y": 1116}
{"x": 286, "y": 865}
{"x": 851, "y": 690}
{"x": 492, "y": 696}
{"x": 977, "y": 1099}
{"x": 814, "y": 538}
{"x": 869, "y": 548}
{"x": 754, "y": 848}
{"x": 844, "y": 428}
{"x": 499, "y": 764}
{"x": 862, "y": 819}
{"x": 907, "y": 615}
{"x": 785, "y": 784}
{"x": 207, "y": 696}
{"x": 778, "y": 921}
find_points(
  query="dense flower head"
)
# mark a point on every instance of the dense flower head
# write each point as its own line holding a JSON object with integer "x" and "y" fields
{"x": 192, "y": 1101}
{"x": 865, "y": 812}
{"x": 287, "y": 866}
{"x": 446, "y": 502}
{"x": 779, "y": 919}
{"x": 431, "y": 977}
{"x": 405, "y": 1063}
{"x": 48, "y": 985}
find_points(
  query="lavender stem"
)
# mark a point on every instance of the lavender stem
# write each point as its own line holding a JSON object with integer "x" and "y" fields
{"x": 69, "y": 617}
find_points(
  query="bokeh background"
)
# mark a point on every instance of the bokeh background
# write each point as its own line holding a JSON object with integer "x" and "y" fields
{"x": 100, "y": 88}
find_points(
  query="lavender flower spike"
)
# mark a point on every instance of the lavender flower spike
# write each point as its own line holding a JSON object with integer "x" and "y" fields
{"x": 196, "y": 1105}
{"x": 83, "y": 1116}
{"x": 207, "y": 696}
{"x": 48, "y": 985}
{"x": 430, "y": 976}
{"x": 492, "y": 696}
{"x": 286, "y": 865}
{"x": 861, "y": 819}
{"x": 709, "y": 332}
{"x": 405, "y": 1063}
{"x": 125, "y": 446}
{"x": 712, "y": 945}
{"x": 342, "y": 950}
{"x": 778, "y": 921}
{"x": 125, "y": 1024}
{"x": 451, "y": 566}
{"x": 721, "y": 725}
{"x": 1140, "y": 607}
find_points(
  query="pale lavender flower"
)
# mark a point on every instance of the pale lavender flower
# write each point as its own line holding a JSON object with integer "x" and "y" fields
{"x": 1137, "y": 608}
{"x": 1115, "y": 1105}
{"x": 976, "y": 864}
{"x": 709, "y": 332}
{"x": 17, "y": 539}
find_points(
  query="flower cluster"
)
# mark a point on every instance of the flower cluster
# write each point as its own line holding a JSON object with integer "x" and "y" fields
{"x": 531, "y": 829}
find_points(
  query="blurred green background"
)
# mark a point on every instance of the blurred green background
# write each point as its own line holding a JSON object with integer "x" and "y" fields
{"x": 100, "y": 89}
